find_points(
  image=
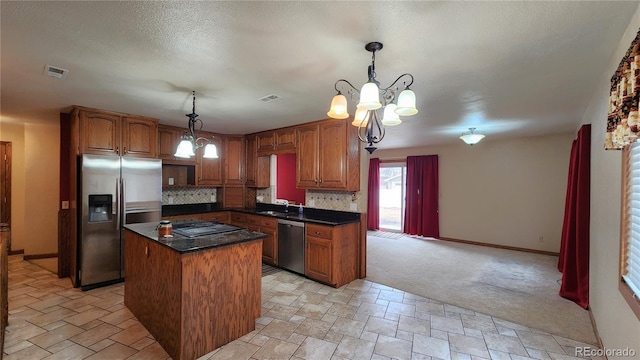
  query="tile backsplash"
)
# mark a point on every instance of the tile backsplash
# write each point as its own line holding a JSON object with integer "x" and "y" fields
{"x": 188, "y": 195}
{"x": 335, "y": 200}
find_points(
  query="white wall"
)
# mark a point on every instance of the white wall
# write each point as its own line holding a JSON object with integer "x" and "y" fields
{"x": 504, "y": 192}
{"x": 617, "y": 325}
{"x": 14, "y": 133}
{"x": 35, "y": 190}
{"x": 42, "y": 183}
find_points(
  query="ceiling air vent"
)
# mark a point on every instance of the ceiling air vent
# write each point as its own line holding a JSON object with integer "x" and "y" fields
{"x": 55, "y": 72}
{"x": 270, "y": 97}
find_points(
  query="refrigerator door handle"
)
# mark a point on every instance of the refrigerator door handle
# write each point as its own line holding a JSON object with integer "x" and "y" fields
{"x": 116, "y": 210}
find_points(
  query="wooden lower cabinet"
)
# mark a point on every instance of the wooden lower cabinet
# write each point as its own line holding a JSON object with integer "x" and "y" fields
{"x": 269, "y": 226}
{"x": 193, "y": 303}
{"x": 332, "y": 253}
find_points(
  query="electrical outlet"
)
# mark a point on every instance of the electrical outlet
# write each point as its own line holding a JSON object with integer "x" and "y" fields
{"x": 170, "y": 199}
{"x": 312, "y": 203}
{"x": 213, "y": 198}
{"x": 170, "y": 181}
{"x": 65, "y": 205}
{"x": 353, "y": 206}
{"x": 540, "y": 238}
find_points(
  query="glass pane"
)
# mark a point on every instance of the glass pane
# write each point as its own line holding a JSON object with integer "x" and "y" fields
{"x": 391, "y": 197}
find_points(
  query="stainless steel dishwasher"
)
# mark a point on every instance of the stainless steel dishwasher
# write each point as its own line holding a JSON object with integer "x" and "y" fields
{"x": 291, "y": 245}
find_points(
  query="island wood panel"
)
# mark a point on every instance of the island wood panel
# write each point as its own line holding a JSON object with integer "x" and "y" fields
{"x": 196, "y": 302}
{"x": 345, "y": 252}
{"x": 221, "y": 296}
{"x": 153, "y": 289}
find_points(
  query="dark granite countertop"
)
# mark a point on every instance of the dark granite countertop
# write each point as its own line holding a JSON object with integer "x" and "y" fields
{"x": 183, "y": 244}
{"x": 311, "y": 215}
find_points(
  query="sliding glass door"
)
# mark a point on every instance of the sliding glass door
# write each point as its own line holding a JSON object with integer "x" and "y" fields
{"x": 392, "y": 195}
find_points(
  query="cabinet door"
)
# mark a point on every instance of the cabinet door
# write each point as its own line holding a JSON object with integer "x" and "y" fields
{"x": 168, "y": 138}
{"x": 263, "y": 172}
{"x": 318, "y": 259}
{"x": 234, "y": 160}
{"x": 251, "y": 153}
{"x": 285, "y": 138}
{"x": 307, "y": 157}
{"x": 139, "y": 137}
{"x": 209, "y": 170}
{"x": 266, "y": 142}
{"x": 99, "y": 133}
{"x": 233, "y": 197}
{"x": 269, "y": 251}
{"x": 333, "y": 155}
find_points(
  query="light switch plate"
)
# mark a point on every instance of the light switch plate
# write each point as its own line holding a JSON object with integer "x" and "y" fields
{"x": 170, "y": 199}
{"x": 312, "y": 203}
{"x": 353, "y": 206}
{"x": 65, "y": 205}
{"x": 170, "y": 181}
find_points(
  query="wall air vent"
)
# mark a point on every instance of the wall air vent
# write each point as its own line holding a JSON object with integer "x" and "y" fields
{"x": 55, "y": 72}
{"x": 270, "y": 97}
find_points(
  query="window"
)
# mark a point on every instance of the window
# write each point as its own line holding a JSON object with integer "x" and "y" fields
{"x": 630, "y": 232}
{"x": 393, "y": 179}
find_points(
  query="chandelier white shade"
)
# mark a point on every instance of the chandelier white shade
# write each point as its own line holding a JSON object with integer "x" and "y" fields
{"x": 470, "y": 137}
{"x": 189, "y": 143}
{"x": 338, "y": 107}
{"x": 371, "y": 97}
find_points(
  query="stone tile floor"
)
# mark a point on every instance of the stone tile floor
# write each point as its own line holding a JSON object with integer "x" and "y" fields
{"x": 301, "y": 319}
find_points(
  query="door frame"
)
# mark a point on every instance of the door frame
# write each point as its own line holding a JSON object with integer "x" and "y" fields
{"x": 402, "y": 163}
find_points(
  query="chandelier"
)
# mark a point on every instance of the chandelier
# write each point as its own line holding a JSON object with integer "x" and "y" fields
{"x": 471, "y": 137}
{"x": 372, "y": 98}
{"x": 189, "y": 143}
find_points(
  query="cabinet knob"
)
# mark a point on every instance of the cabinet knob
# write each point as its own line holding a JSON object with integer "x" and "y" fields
{"x": 317, "y": 232}
{"x": 124, "y": 150}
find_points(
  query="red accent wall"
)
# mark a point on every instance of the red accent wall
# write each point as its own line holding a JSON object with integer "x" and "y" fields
{"x": 286, "y": 179}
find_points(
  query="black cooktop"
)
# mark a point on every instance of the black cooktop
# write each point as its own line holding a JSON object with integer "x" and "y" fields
{"x": 203, "y": 228}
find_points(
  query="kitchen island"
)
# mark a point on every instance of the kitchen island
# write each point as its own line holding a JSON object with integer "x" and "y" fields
{"x": 193, "y": 294}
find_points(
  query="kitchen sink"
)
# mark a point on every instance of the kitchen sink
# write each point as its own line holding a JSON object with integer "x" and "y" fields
{"x": 273, "y": 213}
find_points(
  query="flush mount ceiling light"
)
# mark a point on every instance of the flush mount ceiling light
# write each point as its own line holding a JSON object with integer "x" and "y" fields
{"x": 471, "y": 137}
{"x": 189, "y": 143}
{"x": 372, "y": 98}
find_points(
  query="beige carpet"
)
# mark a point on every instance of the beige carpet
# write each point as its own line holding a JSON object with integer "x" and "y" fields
{"x": 512, "y": 285}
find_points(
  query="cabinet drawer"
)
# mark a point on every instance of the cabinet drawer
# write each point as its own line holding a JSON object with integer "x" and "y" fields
{"x": 268, "y": 222}
{"x": 221, "y": 216}
{"x": 319, "y": 231}
{"x": 238, "y": 217}
{"x": 253, "y": 220}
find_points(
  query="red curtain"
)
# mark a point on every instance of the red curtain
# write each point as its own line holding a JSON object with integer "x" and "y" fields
{"x": 373, "y": 193}
{"x": 421, "y": 211}
{"x": 574, "y": 244}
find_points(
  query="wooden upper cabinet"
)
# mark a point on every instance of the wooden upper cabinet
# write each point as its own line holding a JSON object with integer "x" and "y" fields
{"x": 328, "y": 156}
{"x": 108, "y": 133}
{"x": 99, "y": 132}
{"x": 285, "y": 138}
{"x": 209, "y": 171}
{"x": 234, "y": 160}
{"x": 265, "y": 142}
{"x": 307, "y": 157}
{"x": 168, "y": 139}
{"x": 139, "y": 137}
{"x": 251, "y": 153}
{"x": 332, "y": 166}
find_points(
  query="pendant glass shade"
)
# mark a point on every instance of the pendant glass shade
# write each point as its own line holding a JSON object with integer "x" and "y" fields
{"x": 210, "y": 151}
{"x": 370, "y": 97}
{"x": 407, "y": 103}
{"x": 390, "y": 117}
{"x": 185, "y": 149}
{"x": 338, "y": 108}
{"x": 471, "y": 138}
{"x": 361, "y": 118}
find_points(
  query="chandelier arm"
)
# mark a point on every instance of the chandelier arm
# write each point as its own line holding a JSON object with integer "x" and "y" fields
{"x": 345, "y": 81}
{"x": 398, "y": 79}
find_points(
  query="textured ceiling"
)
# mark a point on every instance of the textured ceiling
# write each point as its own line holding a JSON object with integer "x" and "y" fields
{"x": 509, "y": 69}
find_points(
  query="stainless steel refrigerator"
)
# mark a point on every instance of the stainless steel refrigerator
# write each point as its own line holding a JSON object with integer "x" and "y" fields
{"x": 113, "y": 191}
